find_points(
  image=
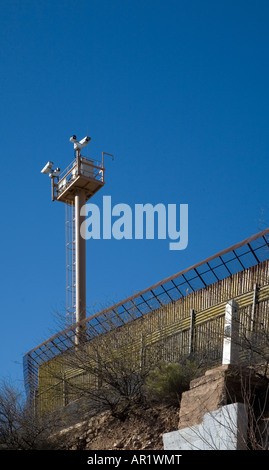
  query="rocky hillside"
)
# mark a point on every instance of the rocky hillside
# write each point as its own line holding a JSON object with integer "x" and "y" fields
{"x": 142, "y": 429}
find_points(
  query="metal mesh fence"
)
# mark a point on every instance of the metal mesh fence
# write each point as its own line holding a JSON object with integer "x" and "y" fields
{"x": 250, "y": 252}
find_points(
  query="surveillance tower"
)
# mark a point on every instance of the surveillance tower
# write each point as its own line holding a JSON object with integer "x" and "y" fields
{"x": 74, "y": 187}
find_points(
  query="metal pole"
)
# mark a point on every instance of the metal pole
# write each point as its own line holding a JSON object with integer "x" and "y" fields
{"x": 80, "y": 266}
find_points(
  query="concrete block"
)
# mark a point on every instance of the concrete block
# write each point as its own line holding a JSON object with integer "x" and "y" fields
{"x": 222, "y": 429}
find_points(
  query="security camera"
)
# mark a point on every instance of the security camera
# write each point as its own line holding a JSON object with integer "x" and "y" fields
{"x": 82, "y": 143}
{"x": 54, "y": 173}
{"x": 47, "y": 168}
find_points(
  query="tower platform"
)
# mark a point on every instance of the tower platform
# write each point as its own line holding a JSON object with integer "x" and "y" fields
{"x": 82, "y": 174}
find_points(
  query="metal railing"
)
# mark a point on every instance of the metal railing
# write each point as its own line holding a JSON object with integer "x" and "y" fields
{"x": 89, "y": 168}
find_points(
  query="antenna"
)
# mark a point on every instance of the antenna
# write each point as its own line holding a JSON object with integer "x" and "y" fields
{"x": 74, "y": 187}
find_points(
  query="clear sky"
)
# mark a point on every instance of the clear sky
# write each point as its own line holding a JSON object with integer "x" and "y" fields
{"x": 177, "y": 90}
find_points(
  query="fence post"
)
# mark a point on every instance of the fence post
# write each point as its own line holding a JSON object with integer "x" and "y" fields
{"x": 142, "y": 352}
{"x": 64, "y": 391}
{"x": 191, "y": 335}
{"x": 251, "y": 332}
{"x": 230, "y": 352}
{"x": 252, "y": 321}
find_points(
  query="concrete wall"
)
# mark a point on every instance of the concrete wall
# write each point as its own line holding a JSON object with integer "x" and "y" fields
{"x": 222, "y": 429}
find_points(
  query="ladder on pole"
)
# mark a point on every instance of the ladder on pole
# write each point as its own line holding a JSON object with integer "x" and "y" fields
{"x": 70, "y": 264}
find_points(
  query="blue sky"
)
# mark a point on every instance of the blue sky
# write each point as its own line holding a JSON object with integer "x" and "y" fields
{"x": 177, "y": 90}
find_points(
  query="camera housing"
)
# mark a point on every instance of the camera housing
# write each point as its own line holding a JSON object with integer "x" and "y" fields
{"x": 79, "y": 144}
{"x": 47, "y": 168}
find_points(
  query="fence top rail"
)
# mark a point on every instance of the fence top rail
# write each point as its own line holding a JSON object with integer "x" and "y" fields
{"x": 242, "y": 255}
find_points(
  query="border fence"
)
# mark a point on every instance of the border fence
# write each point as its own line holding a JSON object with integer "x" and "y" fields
{"x": 185, "y": 311}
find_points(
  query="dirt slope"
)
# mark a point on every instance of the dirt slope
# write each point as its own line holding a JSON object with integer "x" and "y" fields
{"x": 143, "y": 429}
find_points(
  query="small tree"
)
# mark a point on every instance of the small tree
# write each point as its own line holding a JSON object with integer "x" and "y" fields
{"x": 20, "y": 429}
{"x": 107, "y": 372}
